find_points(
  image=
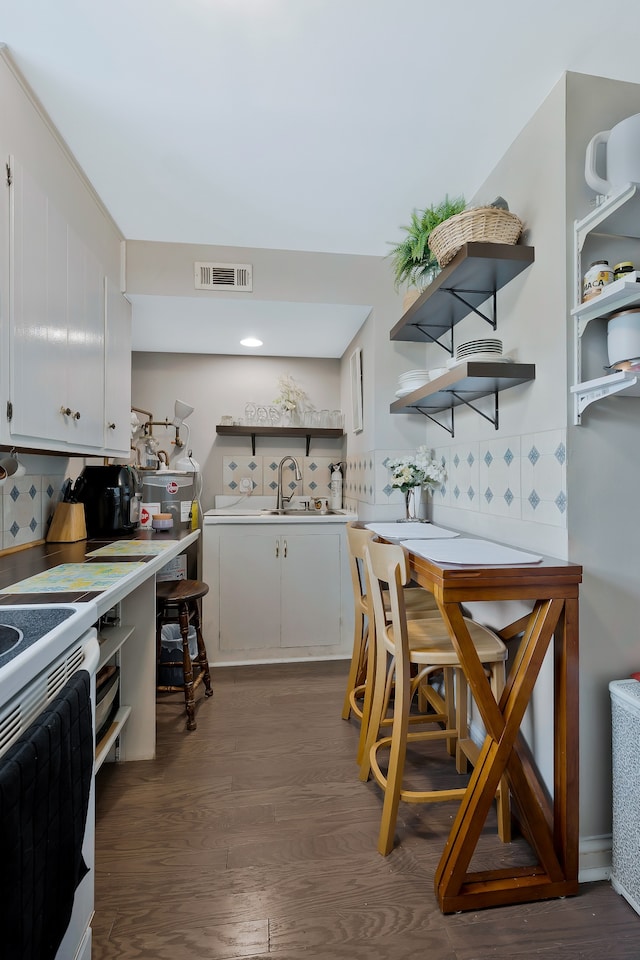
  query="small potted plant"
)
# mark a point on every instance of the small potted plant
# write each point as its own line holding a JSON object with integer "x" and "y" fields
{"x": 413, "y": 262}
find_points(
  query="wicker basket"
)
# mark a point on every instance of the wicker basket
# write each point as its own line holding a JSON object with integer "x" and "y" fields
{"x": 483, "y": 224}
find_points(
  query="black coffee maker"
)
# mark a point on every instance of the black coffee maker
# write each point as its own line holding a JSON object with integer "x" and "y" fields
{"x": 109, "y": 497}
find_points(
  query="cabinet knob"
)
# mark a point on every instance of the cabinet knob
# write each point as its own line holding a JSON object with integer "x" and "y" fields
{"x": 111, "y": 426}
{"x": 285, "y": 550}
{"x": 277, "y": 549}
{"x": 76, "y": 415}
{"x": 65, "y": 411}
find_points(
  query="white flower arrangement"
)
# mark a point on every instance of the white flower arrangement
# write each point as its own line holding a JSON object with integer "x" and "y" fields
{"x": 417, "y": 470}
{"x": 291, "y": 397}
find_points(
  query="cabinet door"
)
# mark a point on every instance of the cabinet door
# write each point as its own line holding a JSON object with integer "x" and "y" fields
{"x": 57, "y": 327}
{"x": 38, "y": 329}
{"x": 85, "y": 345}
{"x": 250, "y": 565}
{"x": 117, "y": 367}
{"x": 310, "y": 605}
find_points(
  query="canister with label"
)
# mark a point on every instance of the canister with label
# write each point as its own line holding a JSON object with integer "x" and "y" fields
{"x": 597, "y": 276}
{"x": 621, "y": 268}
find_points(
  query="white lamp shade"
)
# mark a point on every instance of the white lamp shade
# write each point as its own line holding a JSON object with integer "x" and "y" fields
{"x": 181, "y": 411}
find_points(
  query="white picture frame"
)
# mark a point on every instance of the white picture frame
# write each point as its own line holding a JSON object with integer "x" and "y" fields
{"x": 355, "y": 367}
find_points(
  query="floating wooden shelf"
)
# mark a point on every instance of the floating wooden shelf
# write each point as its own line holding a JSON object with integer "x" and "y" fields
{"x": 464, "y": 384}
{"x": 474, "y": 275}
{"x": 327, "y": 433}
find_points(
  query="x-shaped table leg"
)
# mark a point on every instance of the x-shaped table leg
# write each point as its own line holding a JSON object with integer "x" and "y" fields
{"x": 504, "y": 753}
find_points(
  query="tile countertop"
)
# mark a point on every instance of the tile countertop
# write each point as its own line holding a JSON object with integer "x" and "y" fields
{"x": 112, "y": 574}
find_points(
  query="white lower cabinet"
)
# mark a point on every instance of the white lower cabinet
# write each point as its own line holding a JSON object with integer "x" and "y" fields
{"x": 276, "y": 592}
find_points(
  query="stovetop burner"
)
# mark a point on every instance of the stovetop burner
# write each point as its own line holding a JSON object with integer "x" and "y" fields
{"x": 9, "y": 637}
{"x": 30, "y": 625}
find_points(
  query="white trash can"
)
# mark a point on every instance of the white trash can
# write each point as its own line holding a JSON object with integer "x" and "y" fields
{"x": 625, "y": 744}
{"x": 171, "y": 651}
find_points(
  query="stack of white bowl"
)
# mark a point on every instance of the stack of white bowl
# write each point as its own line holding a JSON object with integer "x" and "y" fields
{"x": 410, "y": 381}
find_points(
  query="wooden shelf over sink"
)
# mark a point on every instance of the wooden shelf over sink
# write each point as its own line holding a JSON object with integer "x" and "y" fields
{"x": 327, "y": 433}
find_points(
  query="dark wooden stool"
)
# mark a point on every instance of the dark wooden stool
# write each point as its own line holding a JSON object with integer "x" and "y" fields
{"x": 177, "y": 602}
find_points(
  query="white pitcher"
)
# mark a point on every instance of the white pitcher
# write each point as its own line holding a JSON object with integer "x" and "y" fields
{"x": 622, "y": 156}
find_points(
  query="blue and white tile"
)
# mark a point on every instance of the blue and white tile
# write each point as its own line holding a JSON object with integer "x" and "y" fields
{"x": 363, "y": 482}
{"x": 234, "y": 469}
{"x": 500, "y": 480}
{"x": 21, "y": 511}
{"x": 349, "y": 479}
{"x": 290, "y": 486}
{"x": 544, "y": 477}
{"x": 442, "y": 496}
{"x": 463, "y": 469}
{"x": 50, "y": 487}
{"x": 316, "y": 476}
{"x": 368, "y": 477}
{"x": 384, "y": 492}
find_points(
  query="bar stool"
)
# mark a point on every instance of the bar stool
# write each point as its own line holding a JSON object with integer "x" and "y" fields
{"x": 426, "y": 644}
{"x": 419, "y": 604}
{"x": 177, "y": 602}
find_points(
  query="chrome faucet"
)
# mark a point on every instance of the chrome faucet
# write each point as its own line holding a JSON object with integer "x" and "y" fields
{"x": 280, "y": 499}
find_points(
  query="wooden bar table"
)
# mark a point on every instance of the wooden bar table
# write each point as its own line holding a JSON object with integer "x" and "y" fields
{"x": 550, "y": 825}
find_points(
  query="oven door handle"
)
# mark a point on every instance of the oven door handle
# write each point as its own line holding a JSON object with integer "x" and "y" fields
{"x": 91, "y": 653}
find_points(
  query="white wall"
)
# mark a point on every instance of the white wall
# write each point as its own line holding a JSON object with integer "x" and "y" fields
{"x": 604, "y": 473}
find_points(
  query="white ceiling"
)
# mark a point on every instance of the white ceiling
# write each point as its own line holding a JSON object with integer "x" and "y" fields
{"x": 299, "y": 124}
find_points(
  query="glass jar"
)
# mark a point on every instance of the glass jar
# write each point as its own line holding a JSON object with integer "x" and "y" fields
{"x": 621, "y": 268}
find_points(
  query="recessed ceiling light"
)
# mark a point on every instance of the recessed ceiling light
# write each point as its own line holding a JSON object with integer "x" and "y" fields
{"x": 250, "y": 342}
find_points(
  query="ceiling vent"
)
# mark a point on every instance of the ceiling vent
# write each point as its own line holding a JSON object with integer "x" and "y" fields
{"x": 223, "y": 276}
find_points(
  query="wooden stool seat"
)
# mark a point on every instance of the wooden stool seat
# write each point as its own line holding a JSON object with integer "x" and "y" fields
{"x": 177, "y": 602}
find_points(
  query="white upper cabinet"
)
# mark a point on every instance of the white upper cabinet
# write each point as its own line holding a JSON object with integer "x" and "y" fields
{"x": 58, "y": 354}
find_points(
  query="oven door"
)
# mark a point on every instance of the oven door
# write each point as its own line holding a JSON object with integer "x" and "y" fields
{"x": 16, "y": 717}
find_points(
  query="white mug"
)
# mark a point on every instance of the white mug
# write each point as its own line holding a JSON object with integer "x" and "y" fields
{"x": 11, "y": 467}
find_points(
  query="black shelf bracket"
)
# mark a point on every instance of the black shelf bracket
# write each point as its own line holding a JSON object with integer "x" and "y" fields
{"x": 492, "y": 321}
{"x": 437, "y": 422}
{"x": 253, "y": 444}
{"x": 428, "y": 336}
{"x": 494, "y": 419}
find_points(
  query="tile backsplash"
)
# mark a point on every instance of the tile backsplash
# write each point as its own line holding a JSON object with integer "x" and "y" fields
{"x": 522, "y": 477}
{"x": 27, "y": 505}
{"x": 262, "y": 473}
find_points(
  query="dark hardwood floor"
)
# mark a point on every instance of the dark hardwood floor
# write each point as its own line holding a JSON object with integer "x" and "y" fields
{"x": 252, "y": 837}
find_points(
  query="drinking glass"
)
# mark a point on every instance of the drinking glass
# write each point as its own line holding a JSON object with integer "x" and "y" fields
{"x": 250, "y": 413}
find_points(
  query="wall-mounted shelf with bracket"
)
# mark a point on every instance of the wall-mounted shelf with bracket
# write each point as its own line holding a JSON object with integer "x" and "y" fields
{"x": 326, "y": 433}
{"x": 474, "y": 276}
{"x": 617, "y": 216}
{"x": 464, "y": 384}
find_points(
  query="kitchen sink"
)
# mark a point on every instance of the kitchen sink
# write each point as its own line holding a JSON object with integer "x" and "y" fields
{"x": 302, "y": 514}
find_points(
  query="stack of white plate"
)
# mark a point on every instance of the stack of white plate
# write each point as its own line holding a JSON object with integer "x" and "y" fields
{"x": 410, "y": 381}
{"x": 487, "y": 345}
{"x": 486, "y": 349}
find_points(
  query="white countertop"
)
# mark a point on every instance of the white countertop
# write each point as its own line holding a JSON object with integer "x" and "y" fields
{"x": 255, "y": 509}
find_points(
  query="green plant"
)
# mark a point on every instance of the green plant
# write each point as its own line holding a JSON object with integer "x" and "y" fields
{"x": 413, "y": 262}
